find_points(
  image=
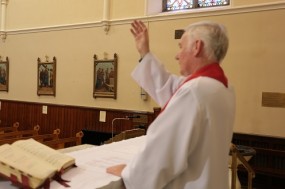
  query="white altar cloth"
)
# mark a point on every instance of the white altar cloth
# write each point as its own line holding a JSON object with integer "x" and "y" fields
{"x": 92, "y": 162}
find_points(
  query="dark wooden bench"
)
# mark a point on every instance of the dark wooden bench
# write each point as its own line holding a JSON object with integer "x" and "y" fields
{"x": 65, "y": 142}
{"x": 13, "y": 128}
{"x": 40, "y": 138}
{"x": 21, "y": 134}
{"x": 47, "y": 137}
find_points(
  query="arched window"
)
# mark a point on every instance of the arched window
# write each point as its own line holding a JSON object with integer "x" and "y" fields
{"x": 172, "y": 5}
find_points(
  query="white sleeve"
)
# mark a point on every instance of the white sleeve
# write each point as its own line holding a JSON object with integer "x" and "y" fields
{"x": 151, "y": 75}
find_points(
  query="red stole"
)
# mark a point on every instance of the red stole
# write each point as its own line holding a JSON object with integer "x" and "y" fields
{"x": 213, "y": 70}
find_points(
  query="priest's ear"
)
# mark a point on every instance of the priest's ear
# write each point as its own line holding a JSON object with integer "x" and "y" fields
{"x": 198, "y": 47}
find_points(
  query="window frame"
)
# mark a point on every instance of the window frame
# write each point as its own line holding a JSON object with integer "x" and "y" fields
{"x": 195, "y": 6}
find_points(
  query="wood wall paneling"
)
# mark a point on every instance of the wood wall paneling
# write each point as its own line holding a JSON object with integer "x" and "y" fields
{"x": 69, "y": 119}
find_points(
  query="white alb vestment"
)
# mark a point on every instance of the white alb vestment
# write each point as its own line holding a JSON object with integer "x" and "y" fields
{"x": 187, "y": 145}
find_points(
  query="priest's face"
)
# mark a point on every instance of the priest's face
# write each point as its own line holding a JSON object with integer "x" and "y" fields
{"x": 185, "y": 56}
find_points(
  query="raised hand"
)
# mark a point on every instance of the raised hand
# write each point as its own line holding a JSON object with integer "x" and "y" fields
{"x": 140, "y": 33}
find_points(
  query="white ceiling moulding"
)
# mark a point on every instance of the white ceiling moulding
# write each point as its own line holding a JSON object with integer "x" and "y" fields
{"x": 55, "y": 28}
{"x": 156, "y": 17}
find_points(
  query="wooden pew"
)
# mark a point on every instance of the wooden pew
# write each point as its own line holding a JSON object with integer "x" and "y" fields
{"x": 47, "y": 137}
{"x": 21, "y": 134}
{"x": 13, "y": 128}
{"x": 40, "y": 138}
{"x": 126, "y": 135}
{"x": 65, "y": 142}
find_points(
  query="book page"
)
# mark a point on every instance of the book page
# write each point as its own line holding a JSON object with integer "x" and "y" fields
{"x": 45, "y": 153}
{"x": 15, "y": 161}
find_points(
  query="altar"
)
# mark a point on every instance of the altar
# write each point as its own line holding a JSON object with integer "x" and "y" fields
{"x": 92, "y": 162}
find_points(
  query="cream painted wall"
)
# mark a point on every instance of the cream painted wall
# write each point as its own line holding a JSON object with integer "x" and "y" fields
{"x": 127, "y": 9}
{"x": 254, "y": 63}
{"x": 35, "y": 13}
{"x": 74, "y": 50}
{"x": 40, "y": 13}
{"x": 258, "y": 67}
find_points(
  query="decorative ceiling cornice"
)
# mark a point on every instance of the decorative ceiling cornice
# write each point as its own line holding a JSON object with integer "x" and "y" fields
{"x": 162, "y": 16}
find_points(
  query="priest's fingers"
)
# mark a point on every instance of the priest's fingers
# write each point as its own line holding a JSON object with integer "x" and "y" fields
{"x": 140, "y": 33}
{"x": 116, "y": 170}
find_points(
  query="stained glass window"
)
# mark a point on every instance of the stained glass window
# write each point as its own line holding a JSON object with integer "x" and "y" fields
{"x": 172, "y": 5}
{"x": 212, "y": 3}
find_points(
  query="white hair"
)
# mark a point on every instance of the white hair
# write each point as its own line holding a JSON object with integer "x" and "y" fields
{"x": 214, "y": 37}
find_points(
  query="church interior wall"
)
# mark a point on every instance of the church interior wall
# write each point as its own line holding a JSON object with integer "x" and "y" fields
{"x": 253, "y": 63}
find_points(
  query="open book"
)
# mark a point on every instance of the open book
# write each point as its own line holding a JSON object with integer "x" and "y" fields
{"x": 32, "y": 164}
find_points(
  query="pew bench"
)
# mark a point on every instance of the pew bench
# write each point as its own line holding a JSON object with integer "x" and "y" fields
{"x": 65, "y": 142}
{"x": 47, "y": 137}
{"x": 13, "y": 128}
{"x": 40, "y": 138}
{"x": 21, "y": 134}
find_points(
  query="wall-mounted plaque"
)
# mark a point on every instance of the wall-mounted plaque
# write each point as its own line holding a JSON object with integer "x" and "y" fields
{"x": 271, "y": 99}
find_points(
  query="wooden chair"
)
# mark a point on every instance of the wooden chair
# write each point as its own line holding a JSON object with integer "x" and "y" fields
{"x": 13, "y": 128}
{"x": 234, "y": 164}
{"x": 126, "y": 135}
{"x": 65, "y": 142}
{"x": 133, "y": 133}
{"x": 21, "y": 134}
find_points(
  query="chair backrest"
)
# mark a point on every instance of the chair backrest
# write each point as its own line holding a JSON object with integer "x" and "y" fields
{"x": 133, "y": 133}
{"x": 236, "y": 155}
{"x": 126, "y": 135}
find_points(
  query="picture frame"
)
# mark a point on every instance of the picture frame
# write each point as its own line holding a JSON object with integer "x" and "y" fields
{"x": 46, "y": 81}
{"x": 105, "y": 77}
{"x": 4, "y": 74}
